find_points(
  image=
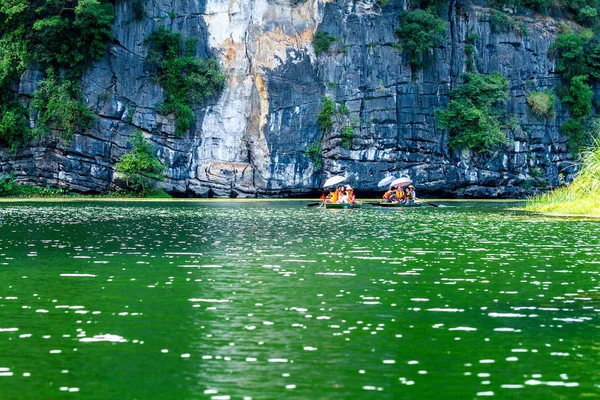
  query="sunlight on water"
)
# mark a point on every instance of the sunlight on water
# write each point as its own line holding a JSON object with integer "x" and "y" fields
{"x": 272, "y": 300}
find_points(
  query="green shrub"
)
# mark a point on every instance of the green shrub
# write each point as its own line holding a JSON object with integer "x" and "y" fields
{"x": 347, "y": 136}
{"x": 324, "y": 119}
{"x": 322, "y": 41}
{"x": 140, "y": 165}
{"x": 420, "y": 31}
{"x": 501, "y": 22}
{"x": 471, "y": 115}
{"x": 14, "y": 122}
{"x": 542, "y": 104}
{"x": 579, "y": 97}
{"x": 59, "y": 109}
{"x": 185, "y": 78}
{"x": 315, "y": 153}
{"x": 577, "y": 134}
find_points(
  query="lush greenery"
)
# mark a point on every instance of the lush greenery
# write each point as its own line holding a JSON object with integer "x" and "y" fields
{"x": 315, "y": 153}
{"x": 583, "y": 11}
{"x": 420, "y": 31}
{"x": 140, "y": 165}
{"x": 322, "y": 41}
{"x": 59, "y": 108}
{"x": 472, "y": 116}
{"x": 578, "y": 57}
{"x": 185, "y": 78}
{"x": 60, "y": 38}
{"x": 542, "y": 104}
{"x": 582, "y": 196}
{"x": 324, "y": 119}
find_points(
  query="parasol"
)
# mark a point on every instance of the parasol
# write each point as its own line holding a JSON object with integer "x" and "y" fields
{"x": 334, "y": 180}
{"x": 401, "y": 182}
{"x": 386, "y": 181}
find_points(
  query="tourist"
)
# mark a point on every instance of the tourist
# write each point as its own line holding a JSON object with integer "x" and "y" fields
{"x": 407, "y": 196}
{"x": 343, "y": 199}
{"x": 387, "y": 196}
{"x": 332, "y": 196}
{"x": 351, "y": 198}
{"x": 413, "y": 194}
{"x": 339, "y": 193}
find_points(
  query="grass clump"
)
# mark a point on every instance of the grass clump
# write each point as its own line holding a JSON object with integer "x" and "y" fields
{"x": 472, "y": 116}
{"x": 420, "y": 31}
{"x": 315, "y": 154}
{"x": 322, "y": 41}
{"x": 581, "y": 197}
{"x": 140, "y": 165}
{"x": 186, "y": 79}
{"x": 542, "y": 104}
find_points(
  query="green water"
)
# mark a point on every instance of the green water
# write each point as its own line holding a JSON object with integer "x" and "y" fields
{"x": 276, "y": 300}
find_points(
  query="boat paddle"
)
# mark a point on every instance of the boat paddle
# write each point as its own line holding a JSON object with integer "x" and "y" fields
{"x": 314, "y": 204}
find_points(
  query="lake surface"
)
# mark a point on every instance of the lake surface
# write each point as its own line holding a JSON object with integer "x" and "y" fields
{"x": 272, "y": 300}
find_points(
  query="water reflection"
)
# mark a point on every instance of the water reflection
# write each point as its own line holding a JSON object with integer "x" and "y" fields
{"x": 278, "y": 300}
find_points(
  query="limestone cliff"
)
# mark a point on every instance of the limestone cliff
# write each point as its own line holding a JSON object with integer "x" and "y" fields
{"x": 252, "y": 140}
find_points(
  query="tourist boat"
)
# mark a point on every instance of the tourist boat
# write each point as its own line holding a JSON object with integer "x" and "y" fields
{"x": 342, "y": 205}
{"x": 401, "y": 205}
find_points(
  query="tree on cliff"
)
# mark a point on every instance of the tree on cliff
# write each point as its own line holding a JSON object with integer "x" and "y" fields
{"x": 140, "y": 165}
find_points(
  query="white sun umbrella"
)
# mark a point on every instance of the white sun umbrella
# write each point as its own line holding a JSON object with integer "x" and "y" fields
{"x": 386, "y": 181}
{"x": 334, "y": 180}
{"x": 401, "y": 182}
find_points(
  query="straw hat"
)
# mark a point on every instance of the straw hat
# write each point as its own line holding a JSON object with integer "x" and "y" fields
{"x": 348, "y": 187}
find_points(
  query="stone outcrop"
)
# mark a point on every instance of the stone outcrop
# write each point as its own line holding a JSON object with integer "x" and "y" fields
{"x": 252, "y": 140}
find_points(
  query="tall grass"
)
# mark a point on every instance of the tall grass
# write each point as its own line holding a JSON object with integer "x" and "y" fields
{"x": 582, "y": 196}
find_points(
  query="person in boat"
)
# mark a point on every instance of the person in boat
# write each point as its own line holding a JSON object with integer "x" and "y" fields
{"x": 350, "y": 195}
{"x": 339, "y": 194}
{"x": 323, "y": 197}
{"x": 343, "y": 199}
{"x": 391, "y": 196}
{"x": 400, "y": 195}
{"x": 413, "y": 193}
{"x": 407, "y": 195}
{"x": 331, "y": 197}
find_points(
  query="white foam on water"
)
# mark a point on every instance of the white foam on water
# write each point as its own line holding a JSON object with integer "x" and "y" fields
{"x": 79, "y": 275}
{"x": 104, "y": 338}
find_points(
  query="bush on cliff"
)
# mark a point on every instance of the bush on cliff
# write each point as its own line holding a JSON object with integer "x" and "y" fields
{"x": 420, "y": 31}
{"x": 322, "y": 41}
{"x": 140, "y": 165}
{"x": 472, "y": 115}
{"x": 185, "y": 78}
{"x": 62, "y": 37}
{"x": 542, "y": 104}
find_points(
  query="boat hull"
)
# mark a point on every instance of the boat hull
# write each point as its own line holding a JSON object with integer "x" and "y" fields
{"x": 401, "y": 205}
{"x": 341, "y": 206}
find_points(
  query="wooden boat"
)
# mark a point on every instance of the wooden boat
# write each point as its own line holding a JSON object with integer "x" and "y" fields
{"x": 401, "y": 205}
{"x": 342, "y": 205}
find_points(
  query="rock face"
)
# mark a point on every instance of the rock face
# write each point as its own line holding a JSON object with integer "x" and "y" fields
{"x": 252, "y": 140}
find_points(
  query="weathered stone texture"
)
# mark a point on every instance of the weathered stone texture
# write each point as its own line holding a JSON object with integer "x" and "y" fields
{"x": 252, "y": 140}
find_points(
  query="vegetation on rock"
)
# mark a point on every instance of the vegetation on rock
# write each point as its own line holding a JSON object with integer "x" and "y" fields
{"x": 322, "y": 41}
{"x": 140, "y": 165}
{"x": 472, "y": 116}
{"x": 581, "y": 197}
{"x": 420, "y": 31}
{"x": 61, "y": 38}
{"x": 185, "y": 78}
{"x": 542, "y": 104}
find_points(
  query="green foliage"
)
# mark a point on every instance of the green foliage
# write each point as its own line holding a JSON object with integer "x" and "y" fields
{"x": 582, "y": 196}
{"x": 71, "y": 37}
{"x": 9, "y": 188}
{"x": 579, "y": 97}
{"x": 471, "y": 115}
{"x": 577, "y": 133}
{"x": 578, "y": 54}
{"x": 14, "y": 123}
{"x": 185, "y": 78}
{"x": 62, "y": 37}
{"x": 322, "y": 41}
{"x": 315, "y": 153}
{"x": 59, "y": 108}
{"x": 542, "y": 104}
{"x": 324, "y": 119}
{"x": 347, "y": 136}
{"x": 420, "y": 31}
{"x": 140, "y": 165}
{"x": 501, "y": 22}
